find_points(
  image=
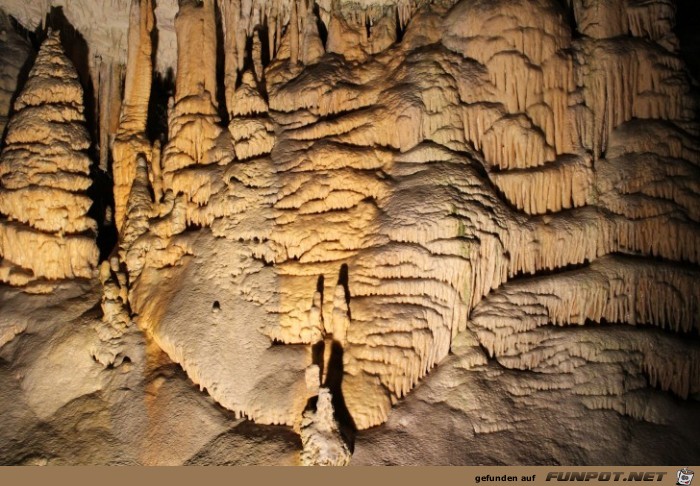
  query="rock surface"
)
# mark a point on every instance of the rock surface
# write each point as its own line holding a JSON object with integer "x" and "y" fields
{"x": 473, "y": 225}
{"x": 45, "y": 232}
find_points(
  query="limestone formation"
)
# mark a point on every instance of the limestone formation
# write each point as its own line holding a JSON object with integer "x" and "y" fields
{"x": 193, "y": 124}
{"x": 495, "y": 199}
{"x": 130, "y": 142}
{"x": 44, "y": 169}
{"x": 252, "y": 132}
{"x": 320, "y": 436}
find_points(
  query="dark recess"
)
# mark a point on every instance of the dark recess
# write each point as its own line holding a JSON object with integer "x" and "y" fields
{"x": 399, "y": 30}
{"x": 220, "y": 67}
{"x": 687, "y": 21}
{"x": 31, "y": 38}
{"x": 334, "y": 382}
{"x": 162, "y": 88}
{"x": 322, "y": 30}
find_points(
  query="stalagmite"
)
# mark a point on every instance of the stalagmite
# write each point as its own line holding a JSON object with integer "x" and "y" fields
{"x": 312, "y": 48}
{"x": 115, "y": 315}
{"x": 139, "y": 210}
{"x": 131, "y": 141}
{"x": 45, "y": 230}
{"x": 193, "y": 121}
{"x": 320, "y": 436}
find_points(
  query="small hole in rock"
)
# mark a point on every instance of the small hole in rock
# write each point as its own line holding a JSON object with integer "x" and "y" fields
{"x": 216, "y": 306}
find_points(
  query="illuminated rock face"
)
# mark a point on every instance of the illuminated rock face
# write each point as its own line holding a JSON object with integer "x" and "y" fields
{"x": 45, "y": 232}
{"x": 352, "y": 194}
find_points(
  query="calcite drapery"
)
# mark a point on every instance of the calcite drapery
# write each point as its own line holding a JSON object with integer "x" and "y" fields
{"x": 378, "y": 169}
{"x": 388, "y": 177}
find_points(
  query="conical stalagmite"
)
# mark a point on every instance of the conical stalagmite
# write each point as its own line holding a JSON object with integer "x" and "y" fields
{"x": 322, "y": 443}
{"x": 139, "y": 210}
{"x": 311, "y": 45}
{"x": 131, "y": 141}
{"x": 193, "y": 124}
{"x": 45, "y": 232}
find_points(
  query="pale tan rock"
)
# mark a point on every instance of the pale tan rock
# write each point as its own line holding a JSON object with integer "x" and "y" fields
{"x": 366, "y": 175}
{"x": 312, "y": 48}
{"x": 357, "y": 34}
{"x": 247, "y": 99}
{"x": 252, "y": 133}
{"x": 45, "y": 231}
{"x": 130, "y": 142}
{"x": 320, "y": 436}
{"x": 193, "y": 120}
{"x": 469, "y": 191}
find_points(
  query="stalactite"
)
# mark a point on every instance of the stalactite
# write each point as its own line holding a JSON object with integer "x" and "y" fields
{"x": 565, "y": 184}
{"x": 293, "y": 29}
{"x": 311, "y": 46}
{"x": 257, "y": 57}
{"x": 109, "y": 109}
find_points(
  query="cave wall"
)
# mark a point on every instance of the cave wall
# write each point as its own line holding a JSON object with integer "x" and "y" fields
{"x": 325, "y": 201}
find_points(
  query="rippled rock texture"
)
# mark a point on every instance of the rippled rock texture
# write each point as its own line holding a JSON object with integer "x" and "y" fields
{"x": 443, "y": 232}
